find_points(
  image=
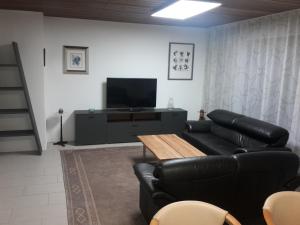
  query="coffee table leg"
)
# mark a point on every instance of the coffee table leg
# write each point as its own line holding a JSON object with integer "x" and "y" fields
{"x": 144, "y": 151}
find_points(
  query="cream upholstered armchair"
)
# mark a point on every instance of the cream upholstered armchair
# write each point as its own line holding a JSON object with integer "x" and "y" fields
{"x": 192, "y": 213}
{"x": 282, "y": 208}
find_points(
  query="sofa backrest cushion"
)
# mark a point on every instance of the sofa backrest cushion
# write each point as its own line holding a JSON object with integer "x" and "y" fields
{"x": 261, "y": 130}
{"x": 251, "y": 128}
{"x": 235, "y": 137}
{"x": 194, "y": 168}
{"x": 260, "y": 174}
{"x": 210, "y": 178}
{"x": 223, "y": 117}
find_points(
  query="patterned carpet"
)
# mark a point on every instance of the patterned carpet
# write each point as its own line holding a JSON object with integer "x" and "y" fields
{"x": 101, "y": 187}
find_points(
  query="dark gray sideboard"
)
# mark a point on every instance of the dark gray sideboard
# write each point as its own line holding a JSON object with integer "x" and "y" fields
{"x": 118, "y": 126}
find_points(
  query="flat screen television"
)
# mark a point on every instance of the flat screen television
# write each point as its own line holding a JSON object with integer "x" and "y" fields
{"x": 131, "y": 93}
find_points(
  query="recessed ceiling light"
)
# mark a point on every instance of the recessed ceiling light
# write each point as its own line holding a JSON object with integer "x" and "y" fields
{"x": 184, "y": 9}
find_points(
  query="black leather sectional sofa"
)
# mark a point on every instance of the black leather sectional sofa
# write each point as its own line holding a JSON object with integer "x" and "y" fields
{"x": 228, "y": 133}
{"x": 247, "y": 161}
{"x": 238, "y": 183}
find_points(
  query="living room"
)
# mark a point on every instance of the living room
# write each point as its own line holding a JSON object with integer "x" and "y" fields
{"x": 244, "y": 60}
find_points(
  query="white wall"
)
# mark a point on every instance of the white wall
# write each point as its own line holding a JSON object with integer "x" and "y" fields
{"x": 116, "y": 50}
{"x": 27, "y": 29}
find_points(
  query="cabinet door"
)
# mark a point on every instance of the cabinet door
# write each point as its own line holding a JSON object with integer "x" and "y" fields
{"x": 173, "y": 122}
{"x": 120, "y": 132}
{"x": 90, "y": 129}
{"x": 147, "y": 127}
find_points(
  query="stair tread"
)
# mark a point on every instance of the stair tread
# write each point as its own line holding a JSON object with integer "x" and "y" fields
{"x": 22, "y": 87}
{"x": 10, "y": 88}
{"x": 13, "y": 111}
{"x": 8, "y": 65}
{"x": 13, "y": 133}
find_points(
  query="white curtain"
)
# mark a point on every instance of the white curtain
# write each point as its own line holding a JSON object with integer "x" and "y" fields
{"x": 253, "y": 68}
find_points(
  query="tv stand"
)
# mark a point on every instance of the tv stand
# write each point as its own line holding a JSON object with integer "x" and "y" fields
{"x": 136, "y": 109}
{"x": 127, "y": 110}
{"x": 117, "y": 126}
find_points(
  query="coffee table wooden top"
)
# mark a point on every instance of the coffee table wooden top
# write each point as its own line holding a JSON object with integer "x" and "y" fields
{"x": 169, "y": 146}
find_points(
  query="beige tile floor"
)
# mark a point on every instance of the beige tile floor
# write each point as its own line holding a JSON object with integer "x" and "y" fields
{"x": 31, "y": 188}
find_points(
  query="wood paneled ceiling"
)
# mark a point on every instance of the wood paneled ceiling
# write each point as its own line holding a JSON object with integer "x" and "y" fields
{"x": 139, "y": 11}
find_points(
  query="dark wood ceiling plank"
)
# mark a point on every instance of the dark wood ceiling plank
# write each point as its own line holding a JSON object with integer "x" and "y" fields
{"x": 268, "y": 5}
{"x": 239, "y": 12}
{"x": 137, "y": 11}
{"x": 127, "y": 8}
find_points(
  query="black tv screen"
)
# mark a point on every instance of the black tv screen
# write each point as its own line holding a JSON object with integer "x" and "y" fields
{"x": 131, "y": 93}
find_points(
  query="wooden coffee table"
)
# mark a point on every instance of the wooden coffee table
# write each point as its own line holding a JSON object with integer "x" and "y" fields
{"x": 168, "y": 146}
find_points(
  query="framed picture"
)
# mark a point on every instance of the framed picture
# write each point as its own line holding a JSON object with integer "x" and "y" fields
{"x": 181, "y": 61}
{"x": 75, "y": 59}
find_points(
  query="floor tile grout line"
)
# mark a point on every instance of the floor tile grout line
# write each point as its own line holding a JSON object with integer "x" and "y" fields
{"x": 23, "y": 190}
{"x": 48, "y": 199}
{"x": 11, "y": 216}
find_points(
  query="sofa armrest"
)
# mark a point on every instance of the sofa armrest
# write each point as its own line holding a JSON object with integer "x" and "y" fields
{"x": 161, "y": 195}
{"x": 293, "y": 184}
{"x": 199, "y": 126}
{"x": 260, "y": 149}
{"x": 144, "y": 172}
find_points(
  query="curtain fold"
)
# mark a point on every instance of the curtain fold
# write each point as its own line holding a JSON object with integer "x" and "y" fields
{"x": 253, "y": 68}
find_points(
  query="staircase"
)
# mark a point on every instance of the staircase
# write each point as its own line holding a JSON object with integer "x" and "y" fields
{"x": 17, "y": 119}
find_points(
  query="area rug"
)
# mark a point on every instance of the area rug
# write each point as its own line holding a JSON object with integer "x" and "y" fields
{"x": 101, "y": 187}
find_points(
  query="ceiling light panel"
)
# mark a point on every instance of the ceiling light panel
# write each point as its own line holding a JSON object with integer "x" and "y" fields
{"x": 184, "y": 9}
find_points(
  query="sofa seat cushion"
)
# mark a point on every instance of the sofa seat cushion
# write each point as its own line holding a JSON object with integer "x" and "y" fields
{"x": 210, "y": 144}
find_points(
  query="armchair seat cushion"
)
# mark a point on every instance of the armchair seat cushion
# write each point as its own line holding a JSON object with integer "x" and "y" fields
{"x": 210, "y": 144}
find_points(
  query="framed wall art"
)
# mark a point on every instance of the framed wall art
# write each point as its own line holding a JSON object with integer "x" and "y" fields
{"x": 181, "y": 61}
{"x": 75, "y": 59}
